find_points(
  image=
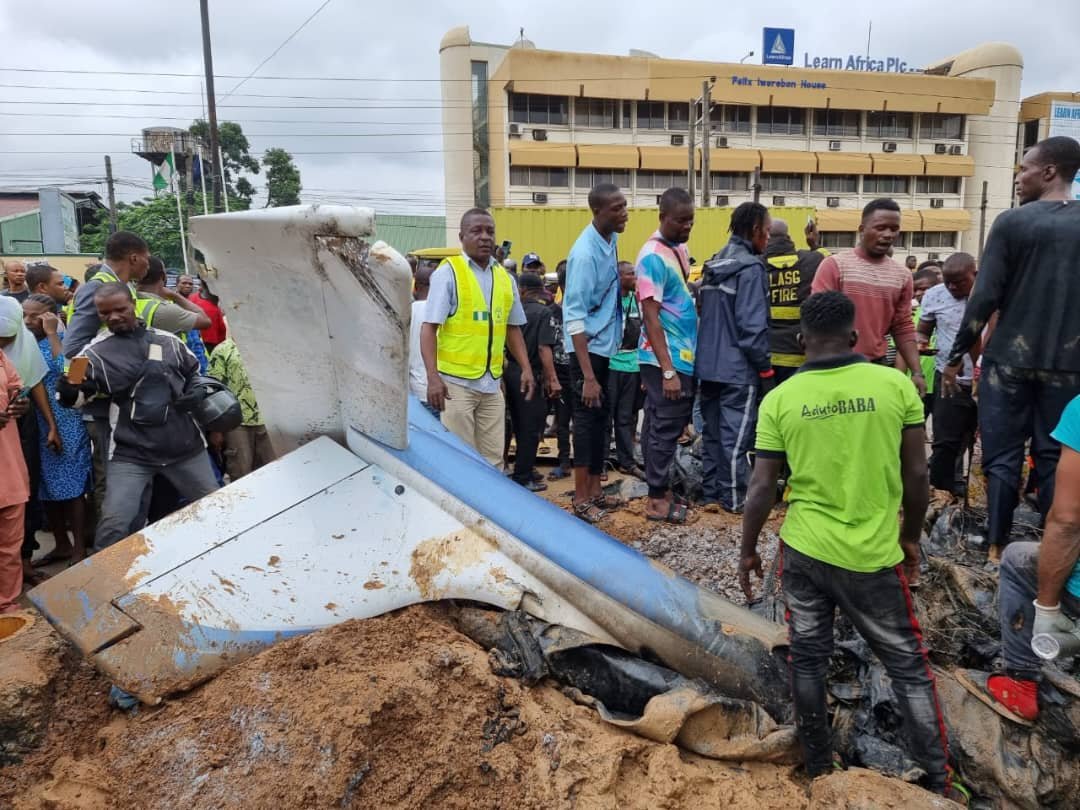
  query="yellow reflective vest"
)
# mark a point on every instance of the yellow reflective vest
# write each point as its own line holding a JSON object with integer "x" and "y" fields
{"x": 105, "y": 277}
{"x": 472, "y": 339}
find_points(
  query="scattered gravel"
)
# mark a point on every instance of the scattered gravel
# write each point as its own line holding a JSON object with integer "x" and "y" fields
{"x": 705, "y": 555}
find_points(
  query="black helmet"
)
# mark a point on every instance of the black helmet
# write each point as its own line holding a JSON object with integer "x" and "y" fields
{"x": 214, "y": 406}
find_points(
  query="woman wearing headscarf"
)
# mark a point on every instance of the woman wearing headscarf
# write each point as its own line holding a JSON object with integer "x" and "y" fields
{"x": 67, "y": 476}
{"x": 22, "y": 351}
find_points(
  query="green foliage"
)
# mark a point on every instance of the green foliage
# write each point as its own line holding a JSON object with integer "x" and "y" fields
{"x": 155, "y": 220}
{"x": 235, "y": 155}
{"x": 282, "y": 179}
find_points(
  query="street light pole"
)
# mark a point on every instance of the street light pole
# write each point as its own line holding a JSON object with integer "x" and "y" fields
{"x": 746, "y": 57}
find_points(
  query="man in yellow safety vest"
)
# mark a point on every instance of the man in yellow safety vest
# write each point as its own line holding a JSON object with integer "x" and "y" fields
{"x": 791, "y": 272}
{"x": 473, "y": 312}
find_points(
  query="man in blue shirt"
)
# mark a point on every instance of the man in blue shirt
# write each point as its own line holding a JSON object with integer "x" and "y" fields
{"x": 1039, "y": 590}
{"x": 592, "y": 326}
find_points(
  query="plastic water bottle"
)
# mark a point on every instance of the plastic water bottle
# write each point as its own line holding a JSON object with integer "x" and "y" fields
{"x": 1050, "y": 646}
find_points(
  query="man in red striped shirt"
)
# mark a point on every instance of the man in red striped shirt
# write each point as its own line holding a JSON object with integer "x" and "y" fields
{"x": 880, "y": 288}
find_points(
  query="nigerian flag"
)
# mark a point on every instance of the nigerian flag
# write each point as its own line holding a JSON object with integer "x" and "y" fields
{"x": 163, "y": 174}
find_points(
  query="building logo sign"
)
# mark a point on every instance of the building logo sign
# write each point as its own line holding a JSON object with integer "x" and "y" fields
{"x": 891, "y": 64}
{"x": 1065, "y": 120}
{"x": 778, "y": 46}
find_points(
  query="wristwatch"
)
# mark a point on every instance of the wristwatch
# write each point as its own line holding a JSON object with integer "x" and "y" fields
{"x": 669, "y": 374}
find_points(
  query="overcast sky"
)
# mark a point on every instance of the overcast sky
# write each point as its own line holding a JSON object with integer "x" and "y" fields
{"x": 378, "y": 142}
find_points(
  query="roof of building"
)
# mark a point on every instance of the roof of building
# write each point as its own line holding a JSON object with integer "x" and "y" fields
{"x": 1035, "y": 107}
{"x": 406, "y": 233}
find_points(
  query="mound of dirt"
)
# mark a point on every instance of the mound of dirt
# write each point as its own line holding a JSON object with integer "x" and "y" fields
{"x": 400, "y": 711}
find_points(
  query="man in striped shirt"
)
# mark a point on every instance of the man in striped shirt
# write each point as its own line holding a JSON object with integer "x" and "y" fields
{"x": 880, "y": 288}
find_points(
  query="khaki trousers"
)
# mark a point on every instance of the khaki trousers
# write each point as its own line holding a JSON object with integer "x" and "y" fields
{"x": 478, "y": 420}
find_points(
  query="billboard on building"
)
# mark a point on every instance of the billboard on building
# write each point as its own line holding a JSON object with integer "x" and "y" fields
{"x": 778, "y": 46}
{"x": 1065, "y": 120}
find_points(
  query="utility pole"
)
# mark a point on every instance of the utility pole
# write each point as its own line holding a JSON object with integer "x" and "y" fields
{"x": 757, "y": 184}
{"x": 691, "y": 169}
{"x": 706, "y": 116}
{"x": 211, "y": 104}
{"x": 112, "y": 195}
{"x": 982, "y": 216}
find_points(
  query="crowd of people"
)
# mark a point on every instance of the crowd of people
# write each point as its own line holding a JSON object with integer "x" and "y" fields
{"x": 811, "y": 375}
{"x": 108, "y": 419}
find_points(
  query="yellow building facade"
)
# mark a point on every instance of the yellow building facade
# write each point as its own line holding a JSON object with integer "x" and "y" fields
{"x": 532, "y": 129}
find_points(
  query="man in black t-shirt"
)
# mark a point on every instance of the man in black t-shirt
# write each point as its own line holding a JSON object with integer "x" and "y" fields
{"x": 527, "y": 415}
{"x": 563, "y": 405}
{"x": 1031, "y": 363}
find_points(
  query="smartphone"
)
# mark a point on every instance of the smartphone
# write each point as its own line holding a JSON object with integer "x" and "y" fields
{"x": 506, "y": 245}
{"x": 76, "y": 372}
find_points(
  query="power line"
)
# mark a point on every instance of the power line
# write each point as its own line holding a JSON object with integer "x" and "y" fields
{"x": 288, "y": 39}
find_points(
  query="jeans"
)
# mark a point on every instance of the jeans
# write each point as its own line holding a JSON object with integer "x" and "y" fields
{"x": 730, "y": 414}
{"x": 564, "y": 411}
{"x": 879, "y": 605}
{"x": 527, "y": 418}
{"x": 1016, "y": 596}
{"x": 955, "y": 420}
{"x": 590, "y": 424}
{"x": 193, "y": 477}
{"x": 624, "y": 388}
{"x": 665, "y": 420}
{"x": 1016, "y": 404}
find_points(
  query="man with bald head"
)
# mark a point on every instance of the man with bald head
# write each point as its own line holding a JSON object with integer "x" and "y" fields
{"x": 15, "y": 273}
{"x": 791, "y": 272}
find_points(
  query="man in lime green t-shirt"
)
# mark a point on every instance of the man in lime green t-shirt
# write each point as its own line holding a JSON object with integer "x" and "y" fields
{"x": 852, "y": 433}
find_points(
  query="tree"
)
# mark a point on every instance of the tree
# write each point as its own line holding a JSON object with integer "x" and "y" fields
{"x": 155, "y": 220}
{"x": 282, "y": 179}
{"x": 235, "y": 155}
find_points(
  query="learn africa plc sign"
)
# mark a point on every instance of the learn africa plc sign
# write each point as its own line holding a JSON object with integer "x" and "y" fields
{"x": 1065, "y": 120}
{"x": 778, "y": 46}
{"x": 890, "y": 64}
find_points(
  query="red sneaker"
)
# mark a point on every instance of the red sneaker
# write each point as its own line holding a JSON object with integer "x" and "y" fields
{"x": 1012, "y": 698}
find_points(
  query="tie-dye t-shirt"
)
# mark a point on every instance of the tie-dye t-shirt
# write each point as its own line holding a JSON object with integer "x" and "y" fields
{"x": 661, "y": 267}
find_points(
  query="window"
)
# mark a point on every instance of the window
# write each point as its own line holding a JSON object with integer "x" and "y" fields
{"x": 889, "y": 125}
{"x": 481, "y": 151}
{"x": 660, "y": 181}
{"x": 678, "y": 116}
{"x": 885, "y": 184}
{"x": 728, "y": 181}
{"x": 599, "y": 113}
{"x": 1031, "y": 134}
{"x": 588, "y": 178}
{"x": 781, "y": 121}
{"x": 650, "y": 114}
{"x": 835, "y": 240}
{"x": 837, "y": 123}
{"x": 933, "y": 239}
{"x": 539, "y": 176}
{"x": 941, "y": 126}
{"x": 834, "y": 183}
{"x": 937, "y": 185}
{"x": 533, "y": 108}
{"x": 730, "y": 118}
{"x": 772, "y": 181}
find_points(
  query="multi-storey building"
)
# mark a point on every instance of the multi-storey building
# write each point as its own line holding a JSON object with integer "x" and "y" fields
{"x": 530, "y": 127}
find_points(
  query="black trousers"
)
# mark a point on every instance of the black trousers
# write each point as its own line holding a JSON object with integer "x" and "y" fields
{"x": 590, "y": 424}
{"x": 955, "y": 421}
{"x": 624, "y": 389}
{"x": 665, "y": 420}
{"x": 29, "y": 440}
{"x": 564, "y": 411}
{"x": 527, "y": 419}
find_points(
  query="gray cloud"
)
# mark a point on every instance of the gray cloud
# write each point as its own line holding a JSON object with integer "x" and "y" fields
{"x": 394, "y": 41}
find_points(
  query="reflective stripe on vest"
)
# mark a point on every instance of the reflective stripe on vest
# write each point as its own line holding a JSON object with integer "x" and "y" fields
{"x": 145, "y": 309}
{"x": 472, "y": 339}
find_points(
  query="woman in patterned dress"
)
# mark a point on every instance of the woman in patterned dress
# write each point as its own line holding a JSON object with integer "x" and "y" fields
{"x": 65, "y": 476}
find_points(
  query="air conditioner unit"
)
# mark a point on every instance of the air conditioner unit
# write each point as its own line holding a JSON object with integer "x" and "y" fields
{"x": 778, "y": 201}
{"x": 832, "y": 202}
{"x": 940, "y": 149}
{"x": 722, "y": 199}
{"x": 677, "y": 140}
{"x": 888, "y": 146}
{"x": 515, "y": 129}
{"x": 933, "y": 257}
{"x": 539, "y": 134}
{"x": 721, "y": 142}
{"x": 834, "y": 146}
{"x": 937, "y": 202}
{"x": 956, "y": 149}
{"x": 540, "y": 197}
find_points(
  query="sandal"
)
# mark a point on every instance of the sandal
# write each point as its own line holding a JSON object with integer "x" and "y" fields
{"x": 676, "y": 514}
{"x": 605, "y": 501}
{"x": 589, "y": 511}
